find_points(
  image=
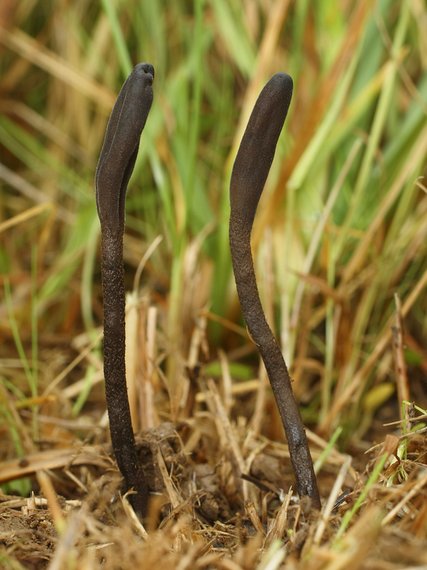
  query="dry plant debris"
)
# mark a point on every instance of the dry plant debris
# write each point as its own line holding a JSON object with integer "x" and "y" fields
{"x": 221, "y": 499}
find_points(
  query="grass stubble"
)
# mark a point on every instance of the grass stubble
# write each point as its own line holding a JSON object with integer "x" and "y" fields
{"x": 340, "y": 252}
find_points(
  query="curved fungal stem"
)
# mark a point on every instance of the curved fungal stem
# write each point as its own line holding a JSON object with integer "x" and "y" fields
{"x": 249, "y": 174}
{"x": 115, "y": 166}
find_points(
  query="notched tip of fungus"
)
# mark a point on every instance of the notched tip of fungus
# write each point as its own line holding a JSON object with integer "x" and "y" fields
{"x": 144, "y": 69}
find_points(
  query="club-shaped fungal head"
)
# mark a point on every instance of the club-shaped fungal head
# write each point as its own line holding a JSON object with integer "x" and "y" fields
{"x": 116, "y": 162}
{"x": 121, "y": 143}
{"x": 256, "y": 151}
{"x": 249, "y": 174}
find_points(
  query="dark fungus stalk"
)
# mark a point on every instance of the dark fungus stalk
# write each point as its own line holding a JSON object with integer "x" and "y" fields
{"x": 115, "y": 166}
{"x": 250, "y": 172}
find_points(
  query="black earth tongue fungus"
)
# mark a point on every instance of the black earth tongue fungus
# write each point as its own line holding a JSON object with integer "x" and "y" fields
{"x": 115, "y": 166}
{"x": 249, "y": 174}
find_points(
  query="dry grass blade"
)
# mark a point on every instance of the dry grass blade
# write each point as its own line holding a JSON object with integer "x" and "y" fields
{"x": 371, "y": 361}
{"x": 30, "y": 49}
{"x": 278, "y": 527}
{"x": 410, "y": 494}
{"x": 52, "y": 459}
{"x": 400, "y": 365}
{"x": 327, "y": 509}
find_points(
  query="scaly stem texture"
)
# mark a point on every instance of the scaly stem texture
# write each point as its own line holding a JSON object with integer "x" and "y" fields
{"x": 249, "y": 174}
{"x": 115, "y": 166}
{"x": 122, "y": 437}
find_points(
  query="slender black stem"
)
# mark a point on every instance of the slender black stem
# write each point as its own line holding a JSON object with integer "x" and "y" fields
{"x": 249, "y": 174}
{"x": 115, "y": 166}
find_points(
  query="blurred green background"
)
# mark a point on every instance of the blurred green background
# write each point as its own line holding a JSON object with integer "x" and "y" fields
{"x": 340, "y": 236}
